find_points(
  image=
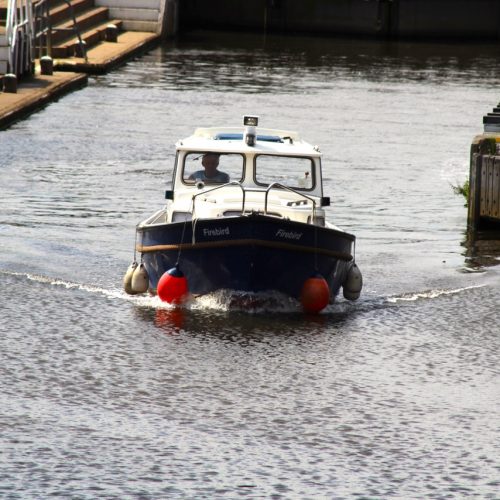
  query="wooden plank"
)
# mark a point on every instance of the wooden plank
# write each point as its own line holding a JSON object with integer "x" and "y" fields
{"x": 490, "y": 187}
{"x": 474, "y": 188}
{"x": 484, "y": 187}
{"x": 495, "y": 207}
{"x": 489, "y": 195}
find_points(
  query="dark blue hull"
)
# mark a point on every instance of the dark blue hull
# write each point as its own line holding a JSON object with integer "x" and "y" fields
{"x": 249, "y": 253}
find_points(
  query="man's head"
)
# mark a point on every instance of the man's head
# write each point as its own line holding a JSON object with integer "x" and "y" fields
{"x": 210, "y": 162}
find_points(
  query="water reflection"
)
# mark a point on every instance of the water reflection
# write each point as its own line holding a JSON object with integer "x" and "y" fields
{"x": 252, "y": 63}
{"x": 482, "y": 249}
{"x": 171, "y": 321}
{"x": 239, "y": 326}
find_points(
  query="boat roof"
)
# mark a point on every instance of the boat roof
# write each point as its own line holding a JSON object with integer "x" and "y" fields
{"x": 231, "y": 140}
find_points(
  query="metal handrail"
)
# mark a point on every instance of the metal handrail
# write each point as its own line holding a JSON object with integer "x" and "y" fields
{"x": 46, "y": 28}
{"x": 76, "y": 30}
{"x": 43, "y": 28}
{"x": 266, "y": 196}
{"x": 19, "y": 35}
{"x": 281, "y": 186}
{"x": 232, "y": 183}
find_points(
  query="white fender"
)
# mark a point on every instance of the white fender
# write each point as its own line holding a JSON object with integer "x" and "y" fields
{"x": 140, "y": 279}
{"x": 353, "y": 283}
{"x": 127, "y": 279}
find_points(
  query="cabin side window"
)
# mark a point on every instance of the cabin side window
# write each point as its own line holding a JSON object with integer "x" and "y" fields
{"x": 296, "y": 172}
{"x": 213, "y": 168}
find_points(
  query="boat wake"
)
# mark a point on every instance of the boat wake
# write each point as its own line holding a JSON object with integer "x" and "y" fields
{"x": 38, "y": 278}
{"x": 248, "y": 302}
{"x": 430, "y": 294}
{"x": 222, "y": 300}
{"x": 229, "y": 300}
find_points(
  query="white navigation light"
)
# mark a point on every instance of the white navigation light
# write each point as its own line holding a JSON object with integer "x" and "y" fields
{"x": 250, "y": 123}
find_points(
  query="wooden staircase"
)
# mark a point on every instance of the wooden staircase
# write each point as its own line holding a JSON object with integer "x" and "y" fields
{"x": 86, "y": 20}
{"x": 68, "y": 19}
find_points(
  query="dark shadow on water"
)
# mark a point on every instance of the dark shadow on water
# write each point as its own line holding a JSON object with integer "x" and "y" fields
{"x": 482, "y": 249}
{"x": 253, "y": 43}
{"x": 254, "y": 63}
{"x": 357, "y": 54}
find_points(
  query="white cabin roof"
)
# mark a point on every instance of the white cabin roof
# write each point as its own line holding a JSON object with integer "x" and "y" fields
{"x": 227, "y": 139}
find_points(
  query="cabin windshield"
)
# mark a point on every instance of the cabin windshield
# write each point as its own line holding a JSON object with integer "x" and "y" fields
{"x": 213, "y": 168}
{"x": 293, "y": 171}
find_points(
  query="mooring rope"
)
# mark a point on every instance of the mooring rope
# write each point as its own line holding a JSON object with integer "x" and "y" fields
{"x": 184, "y": 231}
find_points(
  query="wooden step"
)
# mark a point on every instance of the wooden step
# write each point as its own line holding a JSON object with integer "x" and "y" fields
{"x": 84, "y": 21}
{"x": 93, "y": 36}
{"x": 3, "y": 12}
{"x": 62, "y": 12}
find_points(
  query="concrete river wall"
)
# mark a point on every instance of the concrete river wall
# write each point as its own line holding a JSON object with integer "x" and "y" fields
{"x": 425, "y": 19}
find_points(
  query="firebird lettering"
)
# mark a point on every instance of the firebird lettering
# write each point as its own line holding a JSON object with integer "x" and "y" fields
{"x": 218, "y": 231}
{"x": 288, "y": 235}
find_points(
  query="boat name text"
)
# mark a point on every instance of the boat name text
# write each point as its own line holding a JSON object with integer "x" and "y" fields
{"x": 218, "y": 231}
{"x": 289, "y": 235}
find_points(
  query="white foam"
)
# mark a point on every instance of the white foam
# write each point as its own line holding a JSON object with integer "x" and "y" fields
{"x": 116, "y": 293}
{"x": 430, "y": 294}
{"x": 230, "y": 300}
{"x": 222, "y": 300}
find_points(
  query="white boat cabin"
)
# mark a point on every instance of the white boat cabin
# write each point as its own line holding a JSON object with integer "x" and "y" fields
{"x": 227, "y": 172}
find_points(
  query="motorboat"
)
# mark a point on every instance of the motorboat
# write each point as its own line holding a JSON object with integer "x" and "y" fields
{"x": 246, "y": 213}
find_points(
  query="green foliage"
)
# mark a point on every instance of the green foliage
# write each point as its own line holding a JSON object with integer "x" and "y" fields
{"x": 462, "y": 189}
{"x": 488, "y": 146}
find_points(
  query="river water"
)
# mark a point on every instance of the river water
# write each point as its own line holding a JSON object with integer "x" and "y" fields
{"x": 395, "y": 396}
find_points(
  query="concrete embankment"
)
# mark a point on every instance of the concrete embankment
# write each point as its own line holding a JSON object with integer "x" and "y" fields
{"x": 417, "y": 19}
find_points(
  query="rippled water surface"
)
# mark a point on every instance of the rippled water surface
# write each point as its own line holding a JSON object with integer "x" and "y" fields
{"x": 394, "y": 396}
